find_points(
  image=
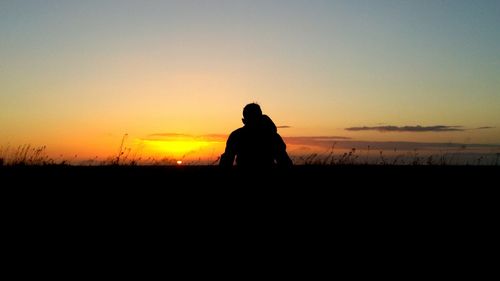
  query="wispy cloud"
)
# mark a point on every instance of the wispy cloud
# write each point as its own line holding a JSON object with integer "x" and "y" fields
{"x": 317, "y": 138}
{"x": 168, "y": 135}
{"x": 314, "y": 140}
{"x": 326, "y": 144}
{"x": 283, "y": 127}
{"x": 437, "y": 128}
{"x": 177, "y": 136}
{"x": 485, "y": 128}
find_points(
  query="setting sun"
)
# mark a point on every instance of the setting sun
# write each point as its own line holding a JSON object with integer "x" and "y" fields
{"x": 179, "y": 145}
{"x": 176, "y": 147}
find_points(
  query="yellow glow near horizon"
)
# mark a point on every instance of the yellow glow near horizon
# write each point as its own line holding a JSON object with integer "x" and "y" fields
{"x": 178, "y": 147}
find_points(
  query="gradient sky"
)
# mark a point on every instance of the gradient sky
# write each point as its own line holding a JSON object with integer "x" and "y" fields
{"x": 77, "y": 75}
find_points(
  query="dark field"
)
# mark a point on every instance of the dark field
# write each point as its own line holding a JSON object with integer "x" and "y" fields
{"x": 351, "y": 205}
{"x": 307, "y": 192}
{"x": 344, "y": 192}
{"x": 305, "y": 177}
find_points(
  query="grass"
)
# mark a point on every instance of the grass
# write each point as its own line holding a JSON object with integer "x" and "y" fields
{"x": 27, "y": 155}
{"x": 31, "y": 166}
{"x": 395, "y": 158}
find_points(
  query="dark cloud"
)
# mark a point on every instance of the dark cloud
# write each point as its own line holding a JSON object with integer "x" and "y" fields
{"x": 283, "y": 127}
{"x": 438, "y": 128}
{"x": 326, "y": 144}
{"x": 314, "y": 140}
{"x": 485, "y": 128}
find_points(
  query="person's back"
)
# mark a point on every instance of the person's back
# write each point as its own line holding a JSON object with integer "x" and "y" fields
{"x": 252, "y": 147}
{"x": 257, "y": 144}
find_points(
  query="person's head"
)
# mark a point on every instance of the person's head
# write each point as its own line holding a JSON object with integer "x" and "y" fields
{"x": 252, "y": 114}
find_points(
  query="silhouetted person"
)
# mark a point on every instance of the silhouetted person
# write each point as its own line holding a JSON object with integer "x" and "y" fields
{"x": 257, "y": 144}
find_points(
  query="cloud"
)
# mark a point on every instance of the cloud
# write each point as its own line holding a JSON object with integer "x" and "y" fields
{"x": 484, "y": 128}
{"x": 177, "y": 136}
{"x": 169, "y": 135}
{"x": 301, "y": 143}
{"x": 438, "y": 128}
{"x": 283, "y": 127}
{"x": 314, "y": 140}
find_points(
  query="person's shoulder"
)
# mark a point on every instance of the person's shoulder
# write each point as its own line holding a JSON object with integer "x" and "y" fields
{"x": 236, "y": 133}
{"x": 239, "y": 130}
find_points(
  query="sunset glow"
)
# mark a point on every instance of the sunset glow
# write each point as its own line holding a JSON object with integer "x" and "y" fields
{"x": 176, "y": 148}
{"x": 174, "y": 76}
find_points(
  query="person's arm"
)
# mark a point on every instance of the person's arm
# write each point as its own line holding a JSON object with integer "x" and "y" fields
{"x": 227, "y": 158}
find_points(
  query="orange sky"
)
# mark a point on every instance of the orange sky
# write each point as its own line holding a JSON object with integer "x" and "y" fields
{"x": 175, "y": 75}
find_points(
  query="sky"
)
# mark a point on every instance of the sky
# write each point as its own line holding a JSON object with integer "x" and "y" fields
{"x": 173, "y": 76}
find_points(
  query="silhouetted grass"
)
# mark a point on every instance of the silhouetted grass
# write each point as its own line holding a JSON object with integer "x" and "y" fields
{"x": 408, "y": 158}
{"x": 26, "y": 155}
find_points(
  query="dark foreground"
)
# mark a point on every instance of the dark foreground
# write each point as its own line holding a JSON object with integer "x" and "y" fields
{"x": 213, "y": 178}
{"x": 348, "y": 210}
{"x": 302, "y": 191}
{"x": 374, "y": 183}
{"x": 306, "y": 186}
